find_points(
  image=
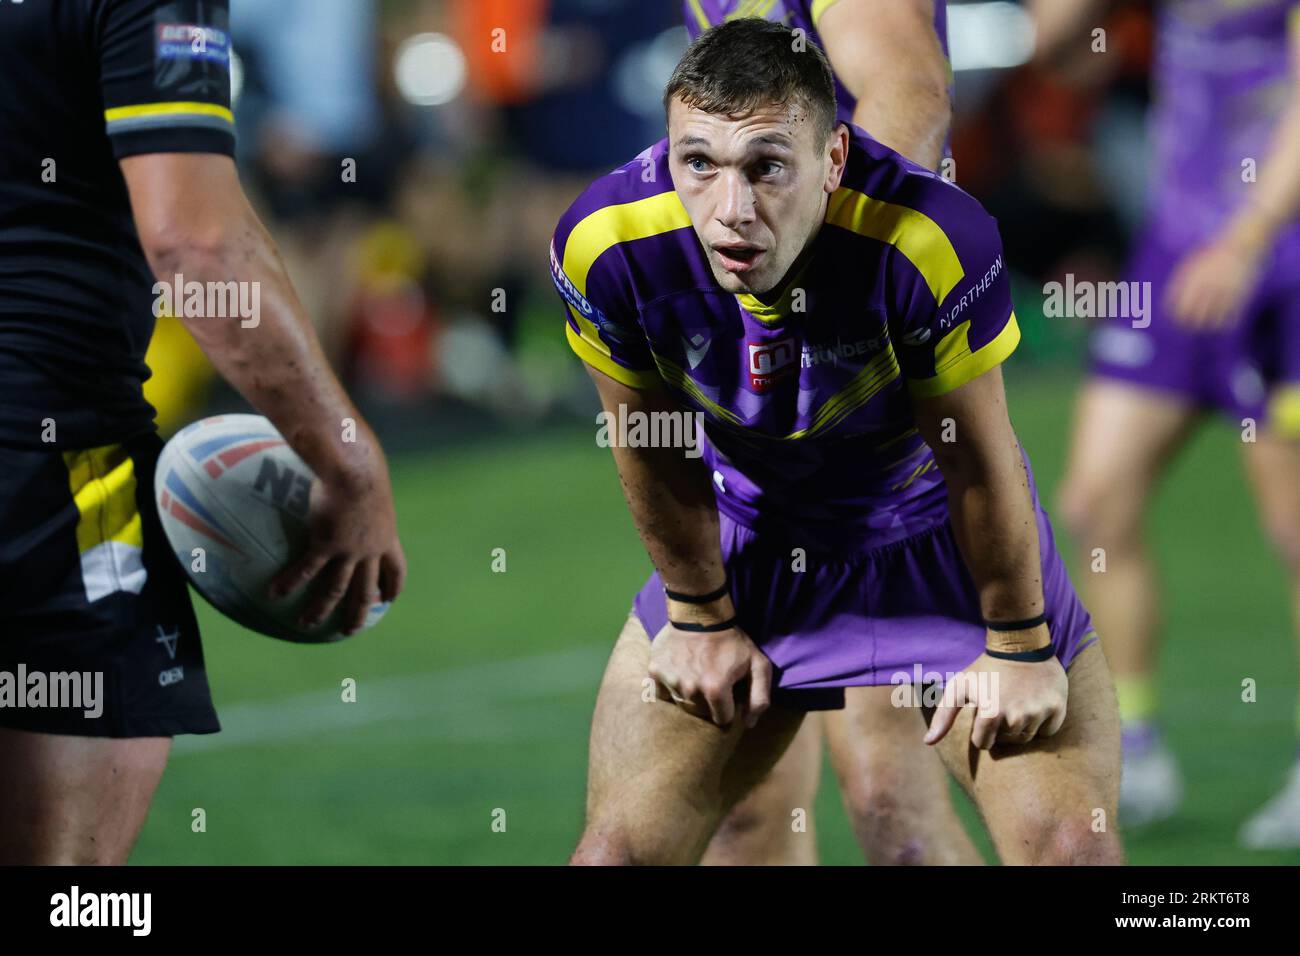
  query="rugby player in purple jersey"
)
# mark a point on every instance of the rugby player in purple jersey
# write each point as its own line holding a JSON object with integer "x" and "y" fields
{"x": 1221, "y": 251}
{"x": 862, "y": 514}
{"x": 892, "y": 79}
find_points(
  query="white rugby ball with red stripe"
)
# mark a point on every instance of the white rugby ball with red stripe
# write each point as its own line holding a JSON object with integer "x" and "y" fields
{"x": 234, "y": 500}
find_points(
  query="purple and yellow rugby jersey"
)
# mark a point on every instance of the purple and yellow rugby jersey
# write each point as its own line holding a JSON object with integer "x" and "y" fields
{"x": 1222, "y": 79}
{"x": 806, "y": 399}
{"x": 797, "y": 15}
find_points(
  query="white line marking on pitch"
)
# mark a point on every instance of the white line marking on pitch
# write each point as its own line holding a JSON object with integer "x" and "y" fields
{"x": 458, "y": 692}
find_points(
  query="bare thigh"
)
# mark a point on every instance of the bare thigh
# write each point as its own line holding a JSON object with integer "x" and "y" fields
{"x": 1124, "y": 437}
{"x": 660, "y": 780}
{"x": 895, "y": 788}
{"x": 773, "y": 824}
{"x": 75, "y": 800}
{"x": 1052, "y": 801}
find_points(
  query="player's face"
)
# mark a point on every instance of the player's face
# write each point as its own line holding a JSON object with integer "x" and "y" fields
{"x": 755, "y": 187}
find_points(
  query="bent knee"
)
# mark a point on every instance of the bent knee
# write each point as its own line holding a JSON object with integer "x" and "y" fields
{"x": 751, "y": 837}
{"x": 621, "y": 845}
{"x": 604, "y": 849}
{"x": 891, "y": 826}
{"x": 1060, "y": 842}
{"x": 1101, "y": 512}
{"x": 875, "y": 798}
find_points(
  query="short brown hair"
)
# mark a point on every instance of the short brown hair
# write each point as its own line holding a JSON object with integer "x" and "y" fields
{"x": 743, "y": 64}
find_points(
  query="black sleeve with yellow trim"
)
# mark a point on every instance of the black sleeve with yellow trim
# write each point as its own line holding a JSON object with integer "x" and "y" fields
{"x": 165, "y": 76}
{"x": 603, "y": 327}
{"x": 952, "y": 319}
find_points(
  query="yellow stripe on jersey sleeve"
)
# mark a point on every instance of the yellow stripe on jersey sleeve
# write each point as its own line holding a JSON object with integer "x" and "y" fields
{"x": 149, "y": 110}
{"x": 593, "y": 237}
{"x": 602, "y": 362}
{"x": 911, "y": 232}
{"x": 625, "y": 222}
{"x": 955, "y": 363}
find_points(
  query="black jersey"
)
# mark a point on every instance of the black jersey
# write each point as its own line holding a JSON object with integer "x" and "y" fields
{"x": 83, "y": 84}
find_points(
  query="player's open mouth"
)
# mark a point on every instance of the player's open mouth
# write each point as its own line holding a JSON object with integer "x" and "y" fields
{"x": 737, "y": 258}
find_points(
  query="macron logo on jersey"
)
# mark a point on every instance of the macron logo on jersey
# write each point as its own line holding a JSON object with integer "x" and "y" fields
{"x": 697, "y": 346}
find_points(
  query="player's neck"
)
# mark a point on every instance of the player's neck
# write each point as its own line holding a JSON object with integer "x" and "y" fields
{"x": 774, "y": 294}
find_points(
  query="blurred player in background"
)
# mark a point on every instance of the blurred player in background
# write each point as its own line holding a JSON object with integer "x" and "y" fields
{"x": 892, "y": 78}
{"x": 830, "y": 309}
{"x": 1221, "y": 251}
{"x": 116, "y": 168}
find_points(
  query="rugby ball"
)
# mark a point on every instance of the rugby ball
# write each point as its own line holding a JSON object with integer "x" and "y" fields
{"x": 234, "y": 500}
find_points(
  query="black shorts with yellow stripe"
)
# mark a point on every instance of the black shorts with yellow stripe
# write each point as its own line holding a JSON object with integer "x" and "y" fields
{"x": 97, "y": 632}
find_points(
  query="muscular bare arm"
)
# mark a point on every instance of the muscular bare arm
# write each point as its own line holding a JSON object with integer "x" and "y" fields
{"x": 670, "y": 497}
{"x": 988, "y": 495}
{"x": 668, "y": 494}
{"x": 886, "y": 54}
{"x": 194, "y": 220}
{"x": 996, "y": 528}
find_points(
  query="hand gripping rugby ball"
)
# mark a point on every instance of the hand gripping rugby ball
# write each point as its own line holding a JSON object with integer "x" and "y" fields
{"x": 234, "y": 501}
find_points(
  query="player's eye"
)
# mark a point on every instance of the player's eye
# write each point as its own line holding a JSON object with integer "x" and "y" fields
{"x": 766, "y": 168}
{"x": 697, "y": 164}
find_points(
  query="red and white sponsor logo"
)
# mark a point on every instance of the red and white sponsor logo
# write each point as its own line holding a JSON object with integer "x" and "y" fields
{"x": 770, "y": 361}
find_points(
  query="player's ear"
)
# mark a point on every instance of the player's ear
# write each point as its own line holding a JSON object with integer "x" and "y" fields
{"x": 837, "y": 148}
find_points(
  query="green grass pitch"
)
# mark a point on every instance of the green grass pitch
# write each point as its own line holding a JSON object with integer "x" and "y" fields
{"x": 467, "y": 740}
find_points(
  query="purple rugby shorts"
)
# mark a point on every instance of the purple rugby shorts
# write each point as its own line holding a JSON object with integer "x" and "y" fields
{"x": 904, "y": 612}
{"x": 1248, "y": 370}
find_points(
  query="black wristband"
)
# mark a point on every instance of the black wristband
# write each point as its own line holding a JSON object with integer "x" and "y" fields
{"x": 705, "y": 628}
{"x": 1030, "y": 657}
{"x": 1027, "y": 624}
{"x": 712, "y": 596}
